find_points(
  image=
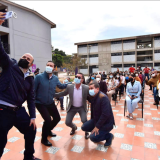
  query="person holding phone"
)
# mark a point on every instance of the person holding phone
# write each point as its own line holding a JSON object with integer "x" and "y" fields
{"x": 133, "y": 92}
{"x": 16, "y": 87}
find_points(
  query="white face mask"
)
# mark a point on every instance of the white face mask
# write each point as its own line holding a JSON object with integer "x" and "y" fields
{"x": 136, "y": 75}
{"x": 153, "y": 75}
{"x": 98, "y": 79}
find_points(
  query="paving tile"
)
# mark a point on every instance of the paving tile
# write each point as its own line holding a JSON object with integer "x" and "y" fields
{"x": 77, "y": 137}
{"x": 52, "y": 150}
{"x": 76, "y": 121}
{"x": 13, "y": 139}
{"x": 57, "y": 138}
{"x": 77, "y": 149}
{"x": 6, "y": 151}
{"x": 58, "y": 129}
{"x": 119, "y": 135}
{"x": 126, "y": 147}
{"x": 131, "y": 126}
{"x": 150, "y": 145}
{"x": 101, "y": 148}
{"x": 139, "y": 134}
{"x": 148, "y": 125}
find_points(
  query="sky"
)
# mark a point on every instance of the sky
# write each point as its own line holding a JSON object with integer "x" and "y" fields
{"x": 81, "y": 21}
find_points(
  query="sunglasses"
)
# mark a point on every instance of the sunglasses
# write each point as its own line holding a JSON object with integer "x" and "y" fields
{"x": 77, "y": 77}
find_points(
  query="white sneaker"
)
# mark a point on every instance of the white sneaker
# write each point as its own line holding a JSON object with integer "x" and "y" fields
{"x": 137, "y": 106}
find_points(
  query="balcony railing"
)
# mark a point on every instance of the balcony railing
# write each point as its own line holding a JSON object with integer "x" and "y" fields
{"x": 5, "y": 23}
{"x": 6, "y": 47}
{"x": 140, "y": 46}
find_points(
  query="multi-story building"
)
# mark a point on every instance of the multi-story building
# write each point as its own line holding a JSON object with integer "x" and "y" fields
{"x": 110, "y": 54}
{"x": 29, "y": 33}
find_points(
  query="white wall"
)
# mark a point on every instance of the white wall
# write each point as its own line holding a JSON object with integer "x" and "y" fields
{"x": 129, "y": 58}
{"x": 116, "y": 59}
{"x": 156, "y": 56}
{"x": 156, "y": 43}
{"x": 157, "y": 68}
{"x": 93, "y": 60}
{"x": 82, "y": 50}
{"x": 116, "y": 47}
{"x": 84, "y": 71}
{"x": 126, "y": 68}
{"x": 115, "y": 69}
{"x": 94, "y": 70}
{"x": 128, "y": 46}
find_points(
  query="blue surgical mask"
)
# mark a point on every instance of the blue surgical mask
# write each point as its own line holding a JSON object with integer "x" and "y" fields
{"x": 111, "y": 76}
{"x": 91, "y": 92}
{"x": 66, "y": 81}
{"x": 92, "y": 78}
{"x": 49, "y": 69}
{"x": 77, "y": 81}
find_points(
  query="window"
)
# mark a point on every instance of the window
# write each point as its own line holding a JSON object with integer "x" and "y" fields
{"x": 129, "y": 41}
{"x": 83, "y": 56}
{"x": 157, "y": 38}
{"x": 156, "y": 51}
{"x": 93, "y": 44}
{"x": 81, "y": 46}
{"x": 116, "y": 42}
{"x": 116, "y": 66}
{"x": 83, "y": 67}
{"x": 94, "y": 55}
{"x": 128, "y": 53}
{"x": 129, "y": 65}
{"x": 116, "y": 54}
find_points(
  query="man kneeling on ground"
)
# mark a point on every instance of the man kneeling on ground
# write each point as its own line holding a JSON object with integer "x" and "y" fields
{"x": 102, "y": 119}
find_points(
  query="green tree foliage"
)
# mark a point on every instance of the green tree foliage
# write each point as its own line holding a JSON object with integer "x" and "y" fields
{"x": 57, "y": 59}
{"x": 71, "y": 62}
{"x": 60, "y": 52}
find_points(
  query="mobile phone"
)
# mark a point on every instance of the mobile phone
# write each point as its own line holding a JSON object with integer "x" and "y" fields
{"x": 9, "y": 15}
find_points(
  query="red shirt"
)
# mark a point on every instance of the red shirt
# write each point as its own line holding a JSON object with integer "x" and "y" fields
{"x": 131, "y": 69}
{"x": 146, "y": 70}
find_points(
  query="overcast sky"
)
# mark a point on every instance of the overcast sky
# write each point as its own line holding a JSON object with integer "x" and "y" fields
{"x": 80, "y": 21}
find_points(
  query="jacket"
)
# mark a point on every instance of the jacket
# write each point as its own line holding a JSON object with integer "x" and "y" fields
{"x": 135, "y": 90}
{"x": 69, "y": 90}
{"x": 154, "y": 80}
{"x": 45, "y": 88}
{"x": 14, "y": 88}
{"x": 102, "y": 112}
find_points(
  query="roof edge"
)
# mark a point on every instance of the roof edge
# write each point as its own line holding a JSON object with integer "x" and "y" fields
{"x": 117, "y": 39}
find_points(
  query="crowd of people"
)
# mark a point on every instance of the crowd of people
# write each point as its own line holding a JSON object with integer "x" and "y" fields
{"x": 18, "y": 84}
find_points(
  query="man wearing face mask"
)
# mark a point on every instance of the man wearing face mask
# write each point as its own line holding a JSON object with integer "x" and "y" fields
{"x": 45, "y": 86}
{"x": 102, "y": 84}
{"x": 153, "y": 81}
{"x": 16, "y": 87}
{"x": 78, "y": 94}
{"x": 102, "y": 119}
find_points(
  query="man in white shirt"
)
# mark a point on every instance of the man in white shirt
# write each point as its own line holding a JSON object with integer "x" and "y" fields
{"x": 78, "y": 94}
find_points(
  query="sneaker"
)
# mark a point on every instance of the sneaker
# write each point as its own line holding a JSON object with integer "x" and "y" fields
{"x": 109, "y": 141}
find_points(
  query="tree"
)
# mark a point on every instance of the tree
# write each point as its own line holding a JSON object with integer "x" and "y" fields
{"x": 57, "y": 59}
{"x": 60, "y": 52}
{"x": 71, "y": 62}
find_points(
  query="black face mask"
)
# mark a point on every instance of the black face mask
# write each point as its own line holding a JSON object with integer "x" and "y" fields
{"x": 23, "y": 63}
{"x": 130, "y": 79}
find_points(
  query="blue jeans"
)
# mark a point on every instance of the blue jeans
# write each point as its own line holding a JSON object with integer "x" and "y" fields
{"x": 89, "y": 126}
{"x": 21, "y": 120}
{"x": 155, "y": 92}
{"x": 146, "y": 74}
{"x": 61, "y": 101}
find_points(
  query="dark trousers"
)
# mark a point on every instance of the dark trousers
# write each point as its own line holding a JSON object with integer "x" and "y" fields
{"x": 61, "y": 101}
{"x": 155, "y": 92}
{"x": 21, "y": 120}
{"x": 48, "y": 111}
{"x": 103, "y": 135}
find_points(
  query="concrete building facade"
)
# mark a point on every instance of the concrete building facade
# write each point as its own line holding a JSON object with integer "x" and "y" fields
{"x": 29, "y": 33}
{"x": 108, "y": 55}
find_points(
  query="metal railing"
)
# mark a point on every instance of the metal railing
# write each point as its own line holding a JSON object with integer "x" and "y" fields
{"x": 6, "y": 47}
